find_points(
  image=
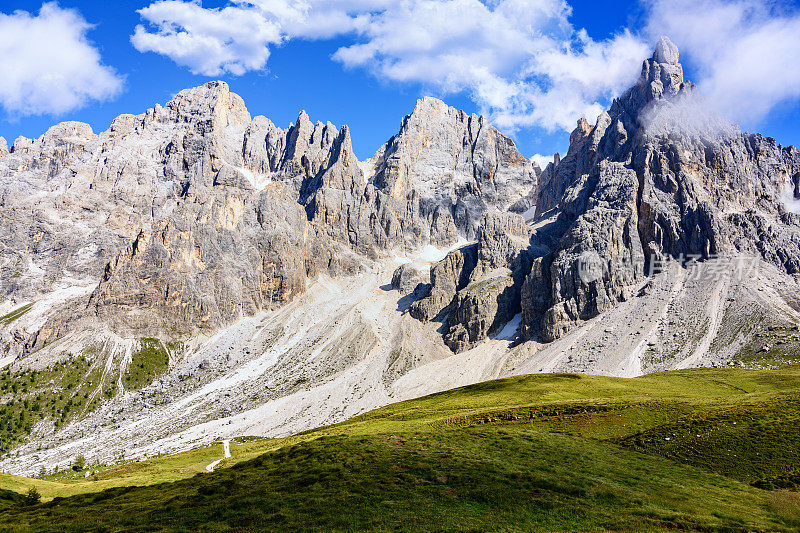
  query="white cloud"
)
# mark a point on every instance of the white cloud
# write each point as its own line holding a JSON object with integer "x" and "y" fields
{"x": 48, "y": 65}
{"x": 521, "y": 61}
{"x": 208, "y": 41}
{"x": 571, "y": 80}
{"x": 542, "y": 160}
{"x": 790, "y": 203}
{"x": 745, "y": 52}
{"x": 237, "y": 38}
{"x": 688, "y": 114}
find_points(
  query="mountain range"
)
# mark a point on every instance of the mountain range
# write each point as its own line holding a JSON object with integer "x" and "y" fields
{"x": 195, "y": 273}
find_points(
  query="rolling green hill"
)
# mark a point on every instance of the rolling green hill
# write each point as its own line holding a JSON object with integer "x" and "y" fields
{"x": 685, "y": 450}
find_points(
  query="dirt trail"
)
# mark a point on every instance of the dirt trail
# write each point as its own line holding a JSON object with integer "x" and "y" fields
{"x": 226, "y": 449}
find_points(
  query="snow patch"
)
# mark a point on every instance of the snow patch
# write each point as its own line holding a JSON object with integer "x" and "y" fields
{"x": 257, "y": 181}
{"x": 509, "y": 331}
{"x": 529, "y": 213}
{"x": 367, "y": 169}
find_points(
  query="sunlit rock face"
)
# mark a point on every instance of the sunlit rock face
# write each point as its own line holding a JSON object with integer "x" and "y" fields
{"x": 688, "y": 183}
{"x": 291, "y": 285}
{"x": 455, "y": 161}
{"x": 658, "y": 176}
{"x": 192, "y": 215}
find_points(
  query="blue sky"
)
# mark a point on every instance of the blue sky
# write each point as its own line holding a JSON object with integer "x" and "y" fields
{"x": 583, "y": 53}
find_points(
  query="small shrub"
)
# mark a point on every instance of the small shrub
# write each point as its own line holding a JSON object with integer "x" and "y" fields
{"x": 32, "y": 498}
{"x": 79, "y": 464}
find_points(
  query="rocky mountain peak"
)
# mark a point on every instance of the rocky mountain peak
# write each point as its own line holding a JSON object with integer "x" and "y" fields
{"x": 303, "y": 122}
{"x": 68, "y": 131}
{"x": 3, "y": 147}
{"x": 212, "y": 103}
{"x": 345, "y": 142}
{"x": 582, "y": 131}
{"x": 680, "y": 181}
{"x": 666, "y": 51}
{"x": 661, "y": 79}
{"x": 455, "y": 160}
{"x": 662, "y": 74}
{"x": 428, "y": 108}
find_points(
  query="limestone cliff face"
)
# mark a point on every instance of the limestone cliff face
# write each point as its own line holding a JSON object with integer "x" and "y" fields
{"x": 208, "y": 264}
{"x": 475, "y": 290}
{"x": 657, "y": 177}
{"x": 192, "y": 215}
{"x": 452, "y": 160}
{"x": 663, "y": 177}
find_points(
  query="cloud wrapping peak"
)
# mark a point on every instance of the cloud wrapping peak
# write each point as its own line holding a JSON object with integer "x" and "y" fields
{"x": 48, "y": 64}
{"x": 744, "y": 51}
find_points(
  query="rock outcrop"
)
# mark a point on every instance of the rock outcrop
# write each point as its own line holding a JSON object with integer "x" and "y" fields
{"x": 409, "y": 279}
{"x": 192, "y": 215}
{"x": 452, "y": 162}
{"x": 475, "y": 290}
{"x": 657, "y": 178}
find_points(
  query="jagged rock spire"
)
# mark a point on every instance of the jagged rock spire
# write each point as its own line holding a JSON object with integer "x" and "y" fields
{"x": 662, "y": 75}
{"x": 666, "y": 51}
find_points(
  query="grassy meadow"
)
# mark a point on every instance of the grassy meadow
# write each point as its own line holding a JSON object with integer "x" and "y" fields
{"x": 694, "y": 450}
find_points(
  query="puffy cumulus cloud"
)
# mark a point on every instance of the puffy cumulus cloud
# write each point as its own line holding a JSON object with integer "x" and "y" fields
{"x": 744, "y": 51}
{"x": 521, "y": 61}
{"x": 49, "y": 66}
{"x": 319, "y": 19}
{"x": 237, "y": 38}
{"x": 208, "y": 41}
{"x": 572, "y": 79}
{"x": 455, "y": 43}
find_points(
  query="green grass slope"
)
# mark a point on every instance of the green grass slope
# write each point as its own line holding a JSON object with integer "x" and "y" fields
{"x": 682, "y": 450}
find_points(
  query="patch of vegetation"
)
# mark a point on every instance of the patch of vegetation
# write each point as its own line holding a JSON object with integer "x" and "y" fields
{"x": 787, "y": 480}
{"x": 751, "y": 441}
{"x": 777, "y": 346}
{"x": 32, "y": 497}
{"x": 484, "y": 478}
{"x": 151, "y": 360}
{"x": 56, "y": 394}
{"x": 10, "y": 499}
{"x": 556, "y": 452}
{"x": 5, "y": 320}
{"x": 79, "y": 463}
{"x": 490, "y": 284}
